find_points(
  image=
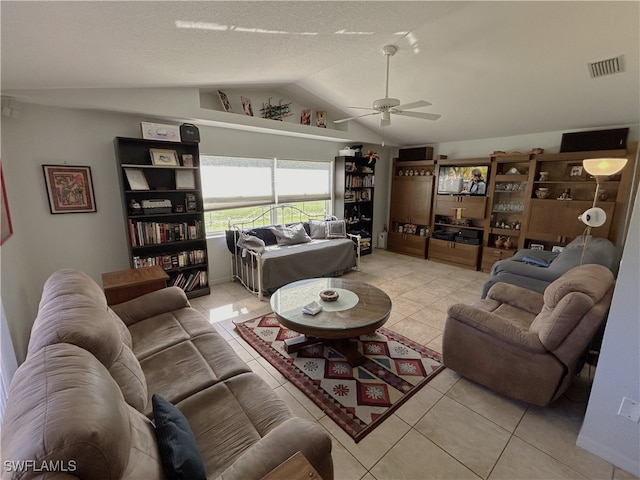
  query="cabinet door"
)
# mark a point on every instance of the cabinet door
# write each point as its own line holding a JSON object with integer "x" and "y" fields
{"x": 552, "y": 219}
{"x": 420, "y": 201}
{"x": 401, "y": 200}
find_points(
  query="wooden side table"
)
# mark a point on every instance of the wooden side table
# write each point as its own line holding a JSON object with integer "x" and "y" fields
{"x": 128, "y": 284}
{"x": 296, "y": 467}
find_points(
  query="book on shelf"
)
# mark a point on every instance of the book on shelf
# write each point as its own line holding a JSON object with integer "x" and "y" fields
{"x": 190, "y": 281}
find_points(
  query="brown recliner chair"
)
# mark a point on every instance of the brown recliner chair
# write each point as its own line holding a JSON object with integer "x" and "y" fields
{"x": 524, "y": 344}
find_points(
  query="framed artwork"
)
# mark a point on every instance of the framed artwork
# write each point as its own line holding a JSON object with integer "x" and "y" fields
{"x": 164, "y": 158}
{"x": 246, "y": 106}
{"x": 7, "y": 228}
{"x": 575, "y": 171}
{"x": 187, "y": 160}
{"x": 321, "y": 119}
{"x": 536, "y": 246}
{"x": 226, "y": 104}
{"x": 136, "y": 179}
{"x": 185, "y": 180}
{"x": 70, "y": 188}
{"x": 305, "y": 117}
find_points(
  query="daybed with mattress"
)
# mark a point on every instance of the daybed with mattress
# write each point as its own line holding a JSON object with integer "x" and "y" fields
{"x": 265, "y": 258}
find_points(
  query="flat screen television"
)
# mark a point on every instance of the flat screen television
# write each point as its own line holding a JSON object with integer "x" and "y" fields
{"x": 463, "y": 180}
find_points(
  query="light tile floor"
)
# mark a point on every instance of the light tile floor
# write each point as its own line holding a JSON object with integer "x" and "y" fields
{"x": 451, "y": 429}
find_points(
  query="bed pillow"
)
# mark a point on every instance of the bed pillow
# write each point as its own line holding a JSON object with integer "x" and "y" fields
{"x": 318, "y": 229}
{"x": 251, "y": 242}
{"x": 336, "y": 229}
{"x": 176, "y": 442}
{"x": 292, "y": 235}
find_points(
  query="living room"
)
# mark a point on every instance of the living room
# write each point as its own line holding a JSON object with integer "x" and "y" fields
{"x": 77, "y": 127}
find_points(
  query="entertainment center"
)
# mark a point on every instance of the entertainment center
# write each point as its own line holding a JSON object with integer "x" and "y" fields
{"x": 481, "y": 210}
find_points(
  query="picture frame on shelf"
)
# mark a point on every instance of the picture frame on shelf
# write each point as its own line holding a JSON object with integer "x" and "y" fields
{"x": 136, "y": 179}
{"x": 305, "y": 117}
{"x": 69, "y": 188}
{"x": 321, "y": 119}
{"x": 536, "y": 246}
{"x": 576, "y": 172}
{"x": 187, "y": 160}
{"x": 161, "y": 157}
{"x": 185, "y": 180}
{"x": 557, "y": 248}
{"x": 246, "y": 106}
{"x": 226, "y": 104}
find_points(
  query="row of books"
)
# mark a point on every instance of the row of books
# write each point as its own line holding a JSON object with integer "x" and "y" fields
{"x": 356, "y": 181}
{"x": 189, "y": 281}
{"x": 155, "y": 233}
{"x": 174, "y": 260}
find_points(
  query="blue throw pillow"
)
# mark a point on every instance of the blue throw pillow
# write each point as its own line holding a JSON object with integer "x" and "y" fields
{"x": 176, "y": 442}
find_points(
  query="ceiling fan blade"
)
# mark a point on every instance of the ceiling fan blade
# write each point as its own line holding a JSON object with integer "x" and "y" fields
{"x": 424, "y": 116}
{"x": 342, "y": 120}
{"x": 363, "y": 108}
{"x": 418, "y": 104}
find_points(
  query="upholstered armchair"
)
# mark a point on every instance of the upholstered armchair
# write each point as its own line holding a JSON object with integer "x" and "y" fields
{"x": 524, "y": 344}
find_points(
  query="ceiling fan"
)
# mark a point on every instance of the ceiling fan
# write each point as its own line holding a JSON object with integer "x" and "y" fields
{"x": 386, "y": 106}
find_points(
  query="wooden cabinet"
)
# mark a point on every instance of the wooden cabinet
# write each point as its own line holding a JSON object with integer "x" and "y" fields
{"x": 509, "y": 198}
{"x": 354, "y": 188}
{"x": 472, "y": 208}
{"x": 409, "y": 244}
{"x": 410, "y": 208}
{"x": 491, "y": 255}
{"x": 163, "y": 210}
{"x": 454, "y": 253}
{"x": 569, "y": 190}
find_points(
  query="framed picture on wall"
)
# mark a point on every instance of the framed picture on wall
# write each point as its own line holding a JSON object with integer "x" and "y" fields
{"x": 70, "y": 188}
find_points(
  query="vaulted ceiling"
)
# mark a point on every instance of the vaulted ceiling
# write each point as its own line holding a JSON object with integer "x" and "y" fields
{"x": 490, "y": 69}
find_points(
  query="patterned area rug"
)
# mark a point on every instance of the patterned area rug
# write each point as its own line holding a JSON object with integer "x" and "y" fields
{"x": 359, "y": 398}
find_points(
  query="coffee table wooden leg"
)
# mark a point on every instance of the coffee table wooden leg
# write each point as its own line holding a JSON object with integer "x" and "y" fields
{"x": 349, "y": 349}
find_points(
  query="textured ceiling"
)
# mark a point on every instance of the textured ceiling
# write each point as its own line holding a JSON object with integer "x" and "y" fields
{"x": 490, "y": 69}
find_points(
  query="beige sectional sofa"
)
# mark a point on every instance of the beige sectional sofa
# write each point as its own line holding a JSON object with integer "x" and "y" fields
{"x": 82, "y": 398}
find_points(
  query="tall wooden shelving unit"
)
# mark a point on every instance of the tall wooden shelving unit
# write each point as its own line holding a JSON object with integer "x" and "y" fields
{"x": 172, "y": 234}
{"x": 411, "y": 205}
{"x": 354, "y": 189}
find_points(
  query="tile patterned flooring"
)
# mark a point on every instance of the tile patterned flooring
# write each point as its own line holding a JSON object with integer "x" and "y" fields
{"x": 453, "y": 428}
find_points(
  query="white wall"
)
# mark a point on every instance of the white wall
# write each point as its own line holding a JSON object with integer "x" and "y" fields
{"x": 603, "y": 432}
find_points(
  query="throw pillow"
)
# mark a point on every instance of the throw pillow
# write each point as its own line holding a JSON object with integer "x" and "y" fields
{"x": 176, "y": 442}
{"x": 292, "y": 235}
{"x": 336, "y": 229}
{"x": 318, "y": 229}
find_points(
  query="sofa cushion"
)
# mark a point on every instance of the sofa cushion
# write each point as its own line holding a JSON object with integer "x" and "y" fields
{"x": 292, "y": 235}
{"x": 127, "y": 373}
{"x": 64, "y": 406}
{"x": 161, "y": 331}
{"x": 176, "y": 442}
{"x": 195, "y": 364}
{"x": 252, "y": 430}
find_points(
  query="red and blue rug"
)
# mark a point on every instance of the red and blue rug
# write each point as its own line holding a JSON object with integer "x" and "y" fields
{"x": 358, "y": 398}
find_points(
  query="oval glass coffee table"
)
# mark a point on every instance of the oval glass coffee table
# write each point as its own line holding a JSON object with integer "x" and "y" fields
{"x": 359, "y": 310}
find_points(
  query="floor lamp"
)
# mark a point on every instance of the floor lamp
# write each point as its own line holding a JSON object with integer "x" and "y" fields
{"x": 600, "y": 169}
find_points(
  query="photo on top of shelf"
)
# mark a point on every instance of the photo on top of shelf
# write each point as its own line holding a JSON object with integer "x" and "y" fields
{"x": 226, "y": 104}
{"x": 246, "y": 106}
{"x": 305, "y": 117}
{"x": 463, "y": 179}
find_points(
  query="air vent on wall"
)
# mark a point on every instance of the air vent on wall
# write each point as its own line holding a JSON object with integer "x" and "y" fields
{"x": 606, "y": 67}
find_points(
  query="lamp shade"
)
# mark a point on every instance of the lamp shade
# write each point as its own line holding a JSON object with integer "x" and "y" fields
{"x": 594, "y": 217}
{"x": 604, "y": 167}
